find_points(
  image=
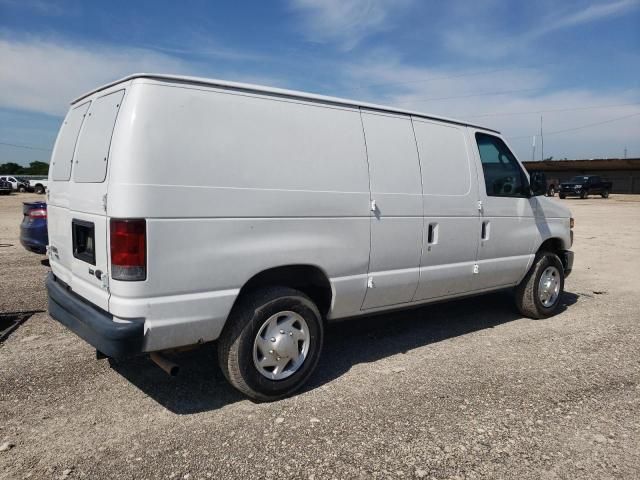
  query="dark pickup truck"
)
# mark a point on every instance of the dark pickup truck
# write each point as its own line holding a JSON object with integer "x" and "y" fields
{"x": 584, "y": 185}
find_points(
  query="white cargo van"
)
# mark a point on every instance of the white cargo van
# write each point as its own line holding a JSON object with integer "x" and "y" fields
{"x": 187, "y": 210}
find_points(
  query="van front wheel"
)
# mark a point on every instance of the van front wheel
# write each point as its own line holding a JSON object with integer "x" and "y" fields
{"x": 538, "y": 295}
{"x": 271, "y": 343}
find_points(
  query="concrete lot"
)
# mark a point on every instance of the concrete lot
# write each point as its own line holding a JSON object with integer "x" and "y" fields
{"x": 466, "y": 389}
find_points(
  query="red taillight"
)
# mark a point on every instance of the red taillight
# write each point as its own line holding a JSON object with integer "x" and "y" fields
{"x": 38, "y": 213}
{"x": 128, "y": 249}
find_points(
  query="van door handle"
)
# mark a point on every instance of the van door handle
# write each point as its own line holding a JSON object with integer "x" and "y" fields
{"x": 432, "y": 234}
{"x": 484, "y": 235}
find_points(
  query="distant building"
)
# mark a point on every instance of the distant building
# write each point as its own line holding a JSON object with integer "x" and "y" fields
{"x": 624, "y": 173}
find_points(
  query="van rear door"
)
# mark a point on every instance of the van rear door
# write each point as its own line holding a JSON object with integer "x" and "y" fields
{"x": 79, "y": 245}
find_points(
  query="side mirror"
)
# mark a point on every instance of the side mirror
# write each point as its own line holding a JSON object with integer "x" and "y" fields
{"x": 538, "y": 183}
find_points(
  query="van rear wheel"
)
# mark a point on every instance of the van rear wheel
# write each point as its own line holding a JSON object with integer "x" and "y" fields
{"x": 271, "y": 343}
{"x": 538, "y": 295}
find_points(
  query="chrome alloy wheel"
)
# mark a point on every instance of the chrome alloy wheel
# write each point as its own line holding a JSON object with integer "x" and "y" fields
{"x": 549, "y": 286}
{"x": 281, "y": 345}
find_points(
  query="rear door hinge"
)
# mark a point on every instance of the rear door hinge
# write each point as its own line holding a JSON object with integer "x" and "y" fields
{"x": 104, "y": 202}
{"x": 104, "y": 280}
{"x": 476, "y": 268}
{"x": 480, "y": 205}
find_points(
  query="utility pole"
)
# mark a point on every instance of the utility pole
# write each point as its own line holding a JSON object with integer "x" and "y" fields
{"x": 541, "y": 141}
{"x": 533, "y": 149}
{"x": 625, "y": 152}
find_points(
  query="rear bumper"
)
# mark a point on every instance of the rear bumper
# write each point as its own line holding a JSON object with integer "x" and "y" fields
{"x": 566, "y": 257}
{"x": 95, "y": 326}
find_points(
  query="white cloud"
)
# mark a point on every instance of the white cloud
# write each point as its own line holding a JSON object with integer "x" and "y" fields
{"x": 346, "y": 22}
{"x": 44, "y": 76}
{"x": 592, "y": 13}
{"x": 41, "y": 7}
{"x": 481, "y": 38}
{"x": 524, "y": 96}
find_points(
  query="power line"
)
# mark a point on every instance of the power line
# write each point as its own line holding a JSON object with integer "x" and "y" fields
{"x": 471, "y": 95}
{"x": 447, "y": 77}
{"x": 573, "y": 129}
{"x": 28, "y": 147}
{"x": 531, "y": 112}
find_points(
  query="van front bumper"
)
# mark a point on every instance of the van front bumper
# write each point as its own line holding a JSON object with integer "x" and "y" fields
{"x": 566, "y": 257}
{"x": 115, "y": 339}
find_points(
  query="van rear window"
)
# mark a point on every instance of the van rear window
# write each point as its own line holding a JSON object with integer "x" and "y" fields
{"x": 92, "y": 152}
{"x": 63, "y": 155}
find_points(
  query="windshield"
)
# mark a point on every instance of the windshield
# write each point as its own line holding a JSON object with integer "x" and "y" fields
{"x": 579, "y": 180}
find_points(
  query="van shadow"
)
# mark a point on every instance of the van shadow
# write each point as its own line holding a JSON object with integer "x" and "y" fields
{"x": 200, "y": 386}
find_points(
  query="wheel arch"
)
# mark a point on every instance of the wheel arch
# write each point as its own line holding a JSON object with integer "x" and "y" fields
{"x": 309, "y": 279}
{"x": 553, "y": 244}
{"x": 559, "y": 247}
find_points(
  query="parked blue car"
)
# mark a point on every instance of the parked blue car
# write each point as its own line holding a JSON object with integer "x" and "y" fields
{"x": 33, "y": 229}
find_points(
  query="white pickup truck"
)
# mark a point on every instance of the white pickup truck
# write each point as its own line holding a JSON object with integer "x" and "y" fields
{"x": 20, "y": 184}
{"x": 39, "y": 185}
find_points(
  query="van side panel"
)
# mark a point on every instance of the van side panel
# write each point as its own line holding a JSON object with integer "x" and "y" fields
{"x": 452, "y": 226}
{"x": 396, "y": 222}
{"x": 232, "y": 184}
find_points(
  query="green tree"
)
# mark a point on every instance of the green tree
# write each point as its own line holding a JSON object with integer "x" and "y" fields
{"x": 37, "y": 168}
{"x": 11, "y": 168}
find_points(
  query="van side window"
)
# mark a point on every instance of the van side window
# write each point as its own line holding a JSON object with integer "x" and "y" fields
{"x": 503, "y": 176}
{"x": 94, "y": 142}
{"x": 66, "y": 144}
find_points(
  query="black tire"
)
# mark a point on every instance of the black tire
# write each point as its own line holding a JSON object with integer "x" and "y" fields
{"x": 562, "y": 196}
{"x": 39, "y": 189}
{"x": 584, "y": 194}
{"x": 235, "y": 345}
{"x": 527, "y": 292}
{"x": 21, "y": 189}
{"x": 605, "y": 193}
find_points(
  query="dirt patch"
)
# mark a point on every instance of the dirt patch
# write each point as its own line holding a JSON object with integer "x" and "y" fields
{"x": 465, "y": 389}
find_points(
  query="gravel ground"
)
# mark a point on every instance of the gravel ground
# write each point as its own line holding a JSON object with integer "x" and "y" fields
{"x": 465, "y": 389}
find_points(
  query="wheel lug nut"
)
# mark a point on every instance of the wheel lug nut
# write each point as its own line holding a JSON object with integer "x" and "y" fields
{"x": 273, "y": 339}
{"x": 270, "y": 352}
{"x": 291, "y": 334}
{"x": 278, "y": 358}
{"x": 281, "y": 332}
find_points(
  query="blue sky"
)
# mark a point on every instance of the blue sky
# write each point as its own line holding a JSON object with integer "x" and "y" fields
{"x": 498, "y": 63}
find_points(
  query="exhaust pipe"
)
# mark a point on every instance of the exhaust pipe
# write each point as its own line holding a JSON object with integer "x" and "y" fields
{"x": 165, "y": 364}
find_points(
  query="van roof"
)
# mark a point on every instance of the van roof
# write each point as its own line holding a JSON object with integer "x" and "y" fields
{"x": 280, "y": 92}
